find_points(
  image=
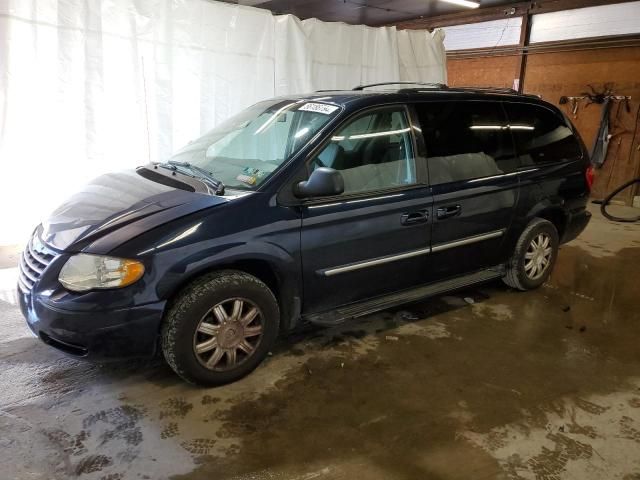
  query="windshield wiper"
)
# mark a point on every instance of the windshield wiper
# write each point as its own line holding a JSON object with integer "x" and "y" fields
{"x": 201, "y": 173}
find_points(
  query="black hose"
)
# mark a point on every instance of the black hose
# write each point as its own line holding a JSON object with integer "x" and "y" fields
{"x": 607, "y": 199}
{"x": 605, "y": 202}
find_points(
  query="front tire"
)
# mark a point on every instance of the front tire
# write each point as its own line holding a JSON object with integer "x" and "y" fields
{"x": 534, "y": 256}
{"x": 220, "y": 327}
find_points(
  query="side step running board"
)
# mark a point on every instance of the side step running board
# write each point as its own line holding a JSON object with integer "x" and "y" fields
{"x": 340, "y": 315}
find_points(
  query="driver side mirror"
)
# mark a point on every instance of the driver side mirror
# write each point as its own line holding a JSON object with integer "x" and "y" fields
{"x": 323, "y": 182}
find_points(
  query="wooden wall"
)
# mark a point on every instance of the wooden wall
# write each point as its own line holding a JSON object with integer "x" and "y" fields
{"x": 486, "y": 72}
{"x": 553, "y": 75}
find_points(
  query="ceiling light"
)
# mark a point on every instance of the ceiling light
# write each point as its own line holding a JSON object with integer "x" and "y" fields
{"x": 463, "y": 3}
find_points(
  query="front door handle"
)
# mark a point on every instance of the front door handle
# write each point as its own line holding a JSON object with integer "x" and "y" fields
{"x": 411, "y": 218}
{"x": 448, "y": 211}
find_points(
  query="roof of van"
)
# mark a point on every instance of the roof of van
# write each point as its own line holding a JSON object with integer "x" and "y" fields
{"x": 403, "y": 91}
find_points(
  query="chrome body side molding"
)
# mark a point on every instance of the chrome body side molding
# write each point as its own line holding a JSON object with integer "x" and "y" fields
{"x": 374, "y": 261}
{"x": 467, "y": 240}
{"x": 413, "y": 253}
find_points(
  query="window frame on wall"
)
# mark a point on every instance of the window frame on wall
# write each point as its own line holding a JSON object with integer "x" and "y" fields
{"x": 508, "y": 137}
{"x": 417, "y": 148}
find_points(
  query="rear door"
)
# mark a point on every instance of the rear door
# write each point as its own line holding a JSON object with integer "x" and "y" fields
{"x": 474, "y": 182}
{"x": 375, "y": 237}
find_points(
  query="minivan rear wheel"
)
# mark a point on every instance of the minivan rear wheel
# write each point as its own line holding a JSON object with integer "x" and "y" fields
{"x": 220, "y": 327}
{"x": 534, "y": 256}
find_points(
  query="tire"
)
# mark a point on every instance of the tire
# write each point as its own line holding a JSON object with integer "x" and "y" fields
{"x": 520, "y": 273}
{"x": 208, "y": 340}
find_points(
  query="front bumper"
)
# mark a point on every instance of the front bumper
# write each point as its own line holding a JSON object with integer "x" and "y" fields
{"x": 99, "y": 334}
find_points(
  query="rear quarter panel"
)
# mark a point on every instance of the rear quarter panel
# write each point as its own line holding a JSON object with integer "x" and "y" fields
{"x": 556, "y": 190}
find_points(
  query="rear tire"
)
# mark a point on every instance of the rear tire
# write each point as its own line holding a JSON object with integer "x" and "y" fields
{"x": 220, "y": 327}
{"x": 534, "y": 256}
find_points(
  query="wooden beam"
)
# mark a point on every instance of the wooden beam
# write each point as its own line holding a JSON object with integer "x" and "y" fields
{"x": 547, "y": 6}
{"x": 497, "y": 13}
{"x": 525, "y": 34}
{"x": 579, "y": 44}
{"x": 461, "y": 18}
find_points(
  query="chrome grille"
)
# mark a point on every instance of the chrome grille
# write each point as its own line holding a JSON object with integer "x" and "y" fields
{"x": 33, "y": 261}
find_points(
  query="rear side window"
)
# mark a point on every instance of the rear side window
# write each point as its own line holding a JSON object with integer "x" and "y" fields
{"x": 540, "y": 135}
{"x": 372, "y": 152}
{"x": 466, "y": 140}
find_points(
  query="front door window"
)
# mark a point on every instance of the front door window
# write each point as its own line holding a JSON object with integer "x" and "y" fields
{"x": 372, "y": 152}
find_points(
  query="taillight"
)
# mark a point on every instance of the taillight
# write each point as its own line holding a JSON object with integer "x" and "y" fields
{"x": 590, "y": 176}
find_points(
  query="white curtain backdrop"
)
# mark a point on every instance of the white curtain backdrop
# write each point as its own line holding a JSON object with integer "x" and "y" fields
{"x": 422, "y": 56}
{"x": 90, "y": 86}
{"x": 313, "y": 55}
{"x": 343, "y": 56}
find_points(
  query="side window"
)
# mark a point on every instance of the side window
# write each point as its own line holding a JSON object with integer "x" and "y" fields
{"x": 540, "y": 135}
{"x": 372, "y": 152}
{"x": 466, "y": 140}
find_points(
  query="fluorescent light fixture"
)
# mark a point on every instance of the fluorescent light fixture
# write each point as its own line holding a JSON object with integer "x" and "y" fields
{"x": 463, "y": 3}
{"x": 502, "y": 127}
{"x": 487, "y": 127}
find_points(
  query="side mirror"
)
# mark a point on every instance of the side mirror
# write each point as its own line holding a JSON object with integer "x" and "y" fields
{"x": 323, "y": 182}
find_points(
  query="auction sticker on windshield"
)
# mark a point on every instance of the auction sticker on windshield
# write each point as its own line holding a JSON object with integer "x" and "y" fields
{"x": 319, "y": 108}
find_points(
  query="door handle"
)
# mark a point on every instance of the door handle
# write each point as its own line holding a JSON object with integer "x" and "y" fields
{"x": 411, "y": 218}
{"x": 448, "y": 212}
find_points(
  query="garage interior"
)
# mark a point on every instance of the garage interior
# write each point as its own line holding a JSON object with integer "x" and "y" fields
{"x": 482, "y": 383}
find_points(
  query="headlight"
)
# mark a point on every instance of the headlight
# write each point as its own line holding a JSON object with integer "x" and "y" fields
{"x": 84, "y": 272}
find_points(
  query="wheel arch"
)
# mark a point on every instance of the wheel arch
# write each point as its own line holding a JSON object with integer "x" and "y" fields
{"x": 551, "y": 210}
{"x": 557, "y": 217}
{"x": 279, "y": 277}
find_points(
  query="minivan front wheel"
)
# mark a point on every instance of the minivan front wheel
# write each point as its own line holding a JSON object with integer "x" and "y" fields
{"x": 534, "y": 256}
{"x": 220, "y": 327}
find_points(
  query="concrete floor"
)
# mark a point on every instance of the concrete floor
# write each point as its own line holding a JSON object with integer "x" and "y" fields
{"x": 488, "y": 383}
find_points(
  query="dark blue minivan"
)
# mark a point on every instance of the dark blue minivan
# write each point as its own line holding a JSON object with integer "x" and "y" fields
{"x": 314, "y": 208}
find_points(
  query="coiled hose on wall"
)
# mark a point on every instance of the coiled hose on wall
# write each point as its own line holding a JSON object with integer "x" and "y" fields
{"x": 607, "y": 199}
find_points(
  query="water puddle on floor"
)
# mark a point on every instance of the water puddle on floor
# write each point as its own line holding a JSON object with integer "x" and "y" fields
{"x": 520, "y": 385}
{"x": 483, "y": 383}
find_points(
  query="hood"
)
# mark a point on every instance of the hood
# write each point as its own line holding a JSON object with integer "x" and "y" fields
{"x": 115, "y": 200}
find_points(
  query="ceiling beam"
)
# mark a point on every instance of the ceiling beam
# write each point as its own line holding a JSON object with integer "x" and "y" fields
{"x": 460, "y": 18}
{"x": 591, "y": 43}
{"x": 496, "y": 13}
{"x": 546, "y": 6}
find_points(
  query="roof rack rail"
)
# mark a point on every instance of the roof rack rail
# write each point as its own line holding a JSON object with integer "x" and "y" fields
{"x": 510, "y": 91}
{"x": 442, "y": 86}
{"x": 432, "y": 85}
{"x": 486, "y": 89}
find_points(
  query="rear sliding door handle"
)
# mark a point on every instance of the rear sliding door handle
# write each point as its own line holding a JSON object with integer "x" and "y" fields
{"x": 448, "y": 211}
{"x": 411, "y": 218}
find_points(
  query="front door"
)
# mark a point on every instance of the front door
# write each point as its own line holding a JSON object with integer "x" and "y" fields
{"x": 474, "y": 182}
{"x": 375, "y": 237}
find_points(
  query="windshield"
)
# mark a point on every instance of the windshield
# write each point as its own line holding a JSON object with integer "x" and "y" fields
{"x": 243, "y": 151}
